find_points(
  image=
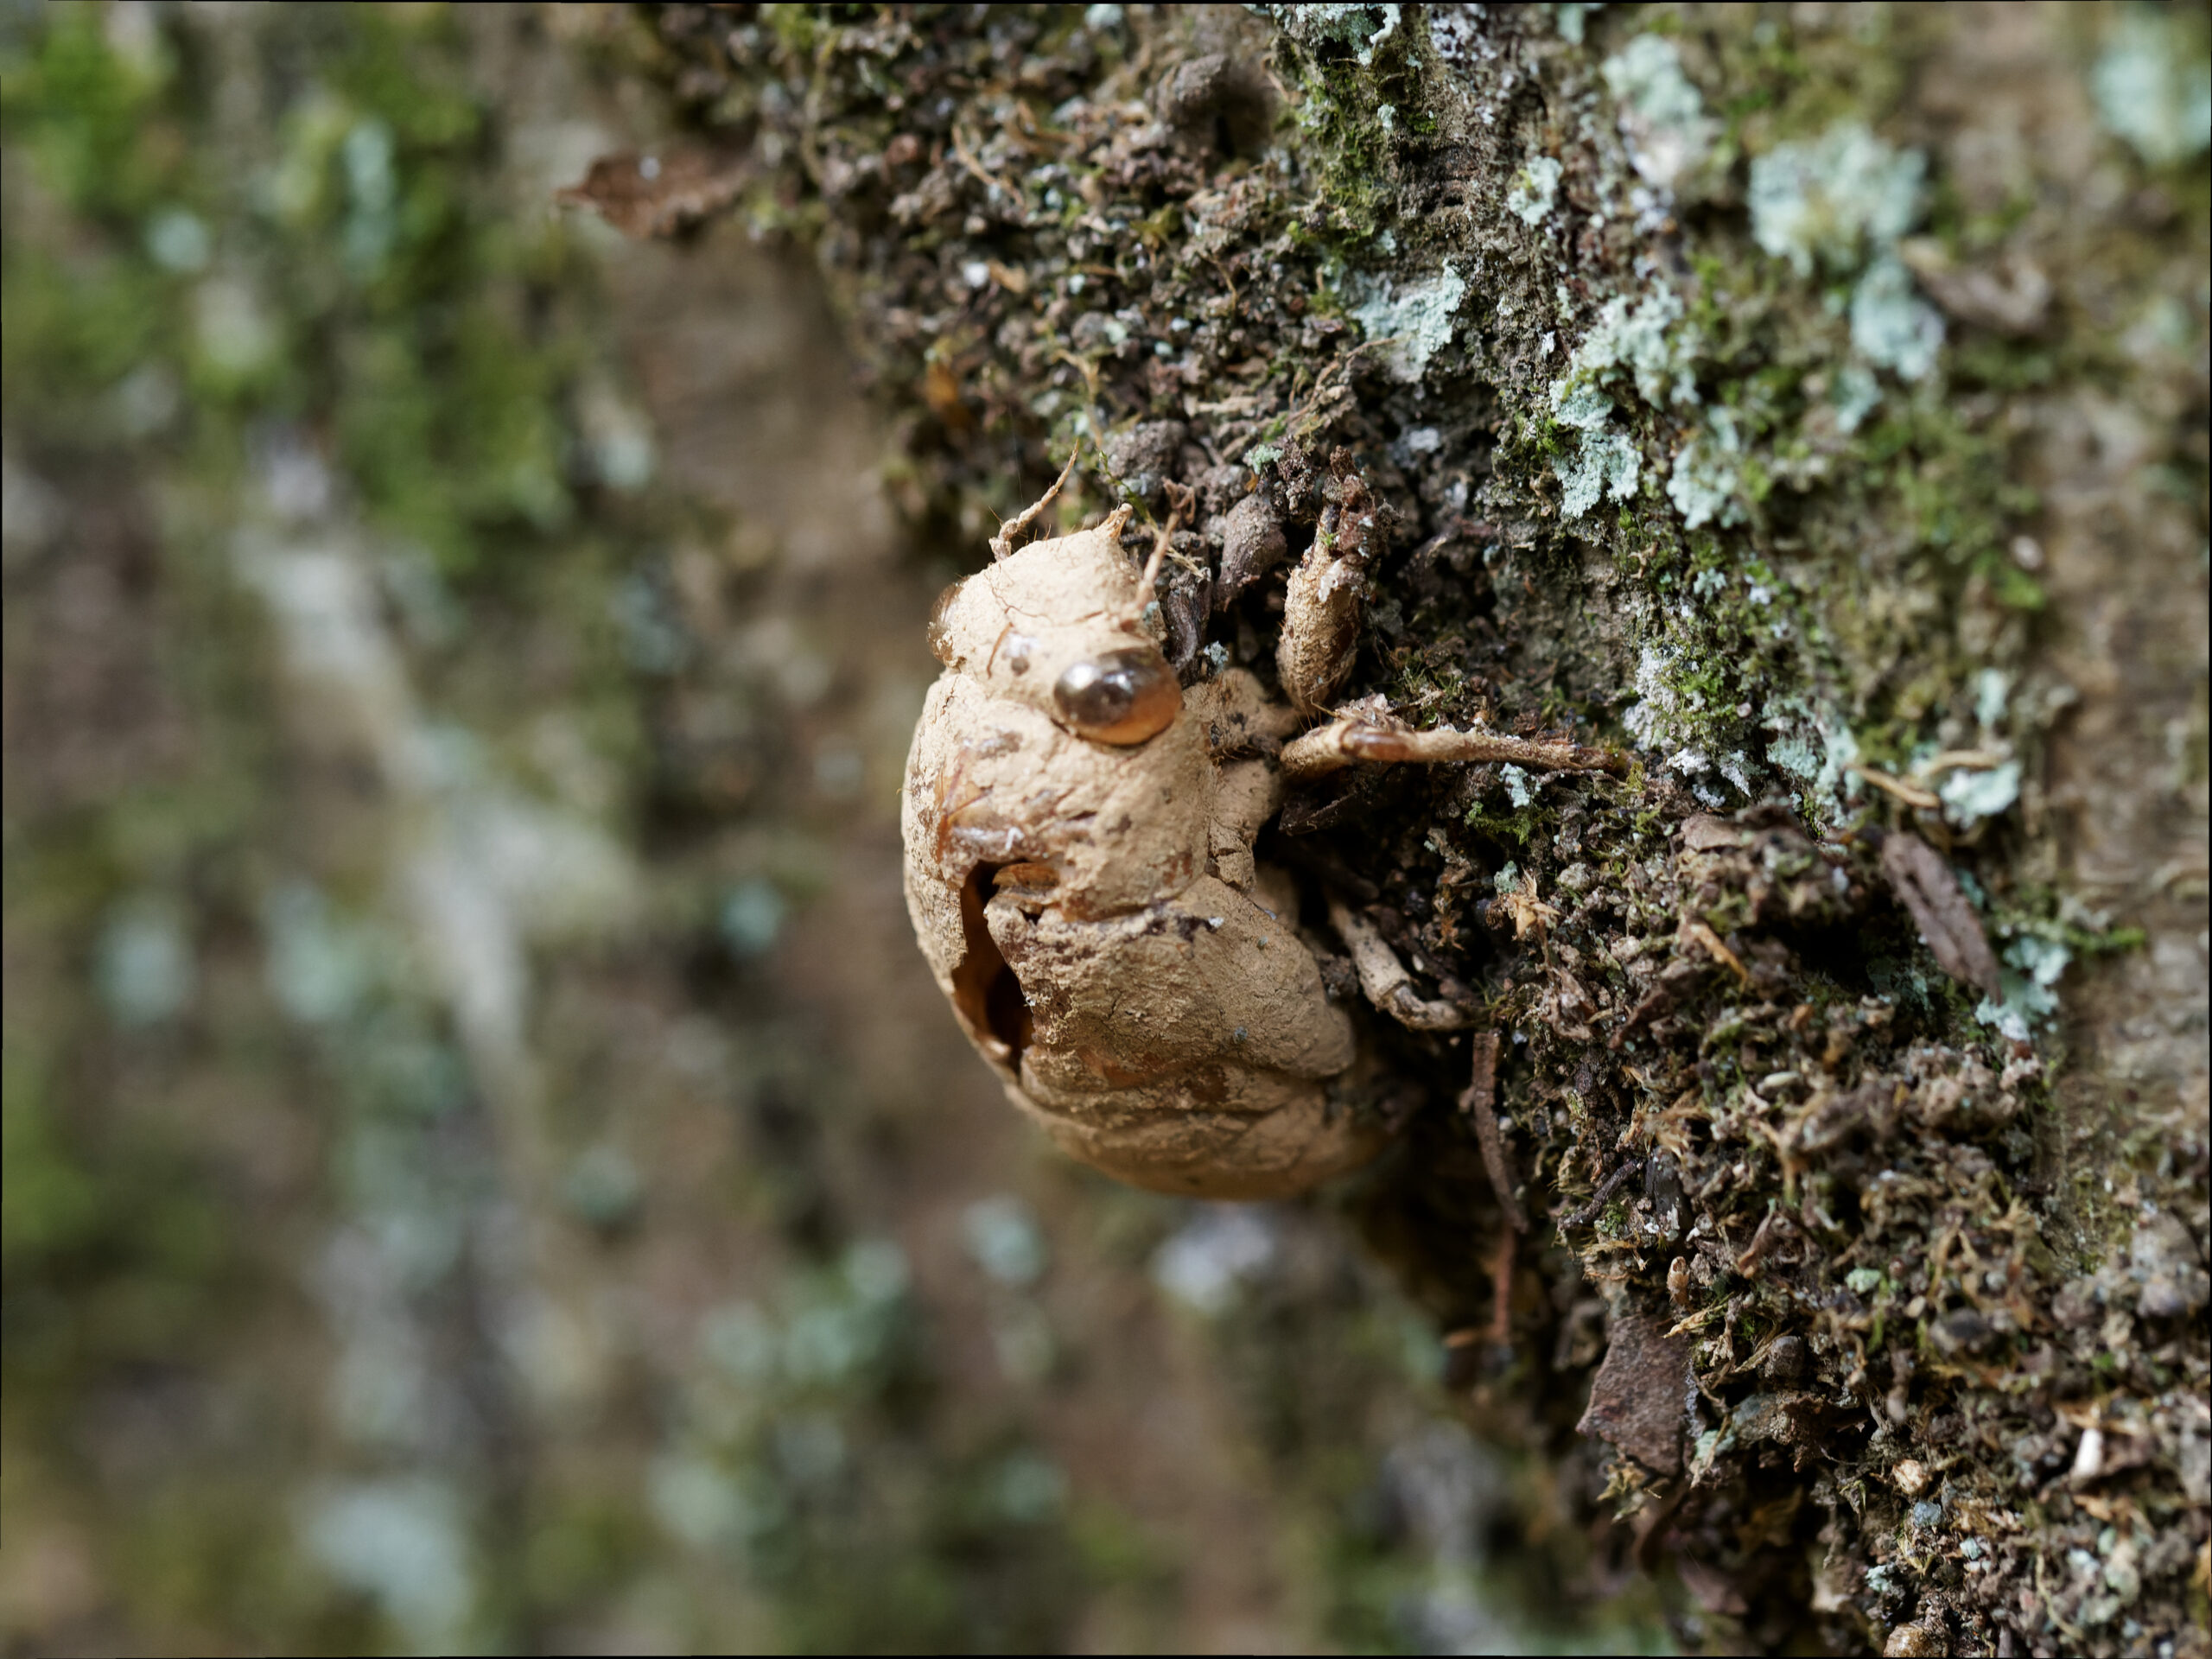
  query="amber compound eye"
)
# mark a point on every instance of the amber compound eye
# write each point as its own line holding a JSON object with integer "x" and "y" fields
{"x": 1118, "y": 696}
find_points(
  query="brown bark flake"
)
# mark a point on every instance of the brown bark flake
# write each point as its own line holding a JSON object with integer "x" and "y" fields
{"x": 1926, "y": 887}
{"x": 1635, "y": 1401}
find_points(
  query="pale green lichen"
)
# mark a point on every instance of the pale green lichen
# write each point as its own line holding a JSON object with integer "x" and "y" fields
{"x": 1362, "y": 28}
{"x": 1826, "y": 770}
{"x": 321, "y": 964}
{"x": 1969, "y": 797}
{"x": 1647, "y": 75}
{"x": 404, "y": 1543}
{"x": 1838, "y": 781}
{"x": 1839, "y": 203}
{"x": 1992, "y": 688}
{"x": 2037, "y": 964}
{"x": 1603, "y": 460}
{"x": 1409, "y": 322}
{"x": 1854, "y": 396}
{"x": 1692, "y": 762}
{"x": 1570, "y": 16}
{"x": 179, "y": 240}
{"x": 1835, "y": 199}
{"x": 1535, "y": 188}
{"x": 1794, "y": 755}
{"x": 1582, "y": 407}
{"x": 237, "y": 337}
{"x": 2154, "y": 88}
{"x": 143, "y": 964}
{"x": 2042, "y": 961}
{"x": 1891, "y": 325}
{"x": 1707, "y": 477}
{"x": 1641, "y": 336}
{"x": 1655, "y": 718}
{"x": 1663, "y": 115}
{"x": 1605, "y": 463}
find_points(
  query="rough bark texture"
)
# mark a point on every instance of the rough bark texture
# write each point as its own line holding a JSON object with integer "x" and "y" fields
{"x": 1814, "y": 400}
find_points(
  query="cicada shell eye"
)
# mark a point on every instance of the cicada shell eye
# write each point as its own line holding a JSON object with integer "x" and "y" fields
{"x": 1118, "y": 696}
{"x": 939, "y": 635}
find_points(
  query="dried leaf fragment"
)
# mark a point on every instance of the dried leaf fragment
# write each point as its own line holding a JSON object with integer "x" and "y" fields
{"x": 1635, "y": 1399}
{"x": 1252, "y": 544}
{"x": 644, "y": 196}
{"x": 1927, "y": 887}
{"x": 1704, "y": 833}
{"x": 2009, "y": 294}
{"x": 1716, "y": 1591}
{"x": 1701, "y": 933}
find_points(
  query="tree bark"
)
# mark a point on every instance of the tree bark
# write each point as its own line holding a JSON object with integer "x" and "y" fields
{"x": 1809, "y": 400}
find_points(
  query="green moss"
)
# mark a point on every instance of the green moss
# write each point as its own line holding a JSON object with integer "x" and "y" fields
{"x": 1505, "y": 823}
{"x": 84, "y": 115}
{"x": 1359, "y": 72}
{"x": 50, "y": 1199}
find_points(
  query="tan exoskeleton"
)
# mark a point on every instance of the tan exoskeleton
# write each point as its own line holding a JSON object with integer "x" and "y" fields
{"x": 1078, "y": 832}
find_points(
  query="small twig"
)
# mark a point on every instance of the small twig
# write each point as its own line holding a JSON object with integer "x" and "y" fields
{"x": 1911, "y": 794}
{"x": 1383, "y": 977}
{"x": 966, "y": 158}
{"x": 1480, "y": 1103}
{"x": 1022, "y": 128}
{"x": 1089, "y": 371}
{"x": 1696, "y": 1321}
{"x": 1352, "y": 740}
{"x": 1223, "y": 270}
{"x": 1959, "y": 761}
{"x": 1598, "y": 1199}
{"x": 1655, "y": 1002}
{"x": 1501, "y": 1292}
{"x": 1241, "y": 403}
{"x": 1340, "y": 368}
{"x": 1761, "y": 1242}
{"x": 1719, "y": 951}
{"x": 1002, "y": 543}
{"x": 1179, "y": 498}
